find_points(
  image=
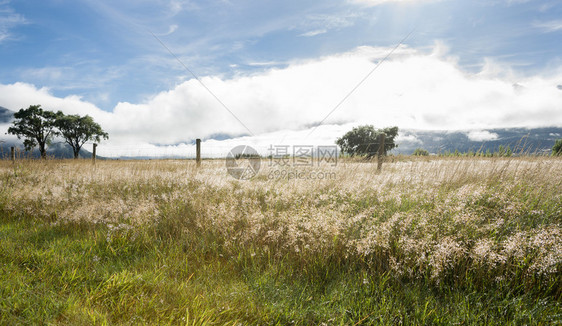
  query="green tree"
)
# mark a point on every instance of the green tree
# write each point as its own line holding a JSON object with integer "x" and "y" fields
{"x": 557, "y": 148}
{"x": 364, "y": 140}
{"x": 501, "y": 151}
{"x": 36, "y": 126}
{"x": 420, "y": 152}
{"x": 508, "y": 151}
{"x": 77, "y": 130}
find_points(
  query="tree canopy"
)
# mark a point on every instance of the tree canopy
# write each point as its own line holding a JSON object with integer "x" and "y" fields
{"x": 364, "y": 140}
{"x": 420, "y": 152}
{"x": 77, "y": 130}
{"x": 36, "y": 126}
{"x": 557, "y": 148}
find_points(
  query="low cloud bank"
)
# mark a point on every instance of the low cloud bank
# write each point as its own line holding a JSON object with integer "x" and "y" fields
{"x": 414, "y": 89}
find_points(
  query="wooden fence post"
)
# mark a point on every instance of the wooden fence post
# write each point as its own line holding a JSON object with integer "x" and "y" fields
{"x": 94, "y": 154}
{"x": 13, "y": 154}
{"x": 380, "y": 155}
{"x": 198, "y": 151}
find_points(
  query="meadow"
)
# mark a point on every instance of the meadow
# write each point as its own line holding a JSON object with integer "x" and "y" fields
{"x": 428, "y": 240}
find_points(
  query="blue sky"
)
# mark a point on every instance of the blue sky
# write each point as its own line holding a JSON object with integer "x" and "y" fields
{"x": 103, "y": 50}
{"x": 101, "y": 54}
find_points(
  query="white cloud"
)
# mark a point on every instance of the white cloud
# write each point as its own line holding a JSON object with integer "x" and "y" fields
{"x": 314, "y": 32}
{"x": 408, "y": 139}
{"x": 263, "y": 143}
{"x": 413, "y": 89}
{"x": 266, "y": 63}
{"x": 321, "y": 23}
{"x": 21, "y": 95}
{"x": 549, "y": 26}
{"x": 51, "y": 74}
{"x": 171, "y": 30}
{"x": 8, "y": 20}
{"x": 482, "y": 135}
{"x": 177, "y": 6}
{"x": 78, "y": 76}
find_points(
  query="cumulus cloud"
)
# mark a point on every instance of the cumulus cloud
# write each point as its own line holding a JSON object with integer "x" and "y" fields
{"x": 482, "y": 135}
{"x": 413, "y": 89}
{"x": 408, "y": 139}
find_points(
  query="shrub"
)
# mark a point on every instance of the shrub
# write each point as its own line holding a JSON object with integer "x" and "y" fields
{"x": 420, "y": 152}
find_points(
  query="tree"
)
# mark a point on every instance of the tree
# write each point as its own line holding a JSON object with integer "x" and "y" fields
{"x": 557, "y": 148}
{"x": 508, "y": 151}
{"x": 77, "y": 130}
{"x": 420, "y": 152}
{"x": 36, "y": 126}
{"x": 364, "y": 140}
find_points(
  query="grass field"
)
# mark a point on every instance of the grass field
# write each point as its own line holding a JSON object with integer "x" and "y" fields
{"x": 452, "y": 241}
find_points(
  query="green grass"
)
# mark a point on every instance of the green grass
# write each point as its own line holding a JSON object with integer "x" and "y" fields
{"x": 466, "y": 242}
{"x": 72, "y": 274}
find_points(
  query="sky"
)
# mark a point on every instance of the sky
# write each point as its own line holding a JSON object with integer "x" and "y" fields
{"x": 158, "y": 74}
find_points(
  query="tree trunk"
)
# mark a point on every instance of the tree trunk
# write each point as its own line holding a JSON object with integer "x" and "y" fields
{"x": 43, "y": 151}
{"x": 76, "y": 149}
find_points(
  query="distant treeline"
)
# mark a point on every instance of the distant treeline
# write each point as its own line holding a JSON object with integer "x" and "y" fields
{"x": 501, "y": 151}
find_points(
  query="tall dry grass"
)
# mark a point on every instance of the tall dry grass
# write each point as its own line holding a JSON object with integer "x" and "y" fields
{"x": 476, "y": 221}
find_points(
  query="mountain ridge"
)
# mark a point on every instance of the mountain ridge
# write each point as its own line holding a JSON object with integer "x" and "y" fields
{"x": 530, "y": 140}
{"x": 520, "y": 140}
{"x": 6, "y": 115}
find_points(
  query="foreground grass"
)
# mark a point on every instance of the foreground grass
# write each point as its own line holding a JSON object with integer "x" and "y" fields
{"x": 71, "y": 274}
{"x": 446, "y": 242}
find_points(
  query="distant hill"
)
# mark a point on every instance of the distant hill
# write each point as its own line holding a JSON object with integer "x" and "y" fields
{"x": 6, "y": 115}
{"x": 532, "y": 141}
{"x": 538, "y": 140}
{"x": 57, "y": 150}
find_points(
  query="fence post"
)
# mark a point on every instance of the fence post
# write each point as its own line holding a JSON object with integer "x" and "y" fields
{"x": 198, "y": 151}
{"x": 13, "y": 154}
{"x": 94, "y": 154}
{"x": 380, "y": 155}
